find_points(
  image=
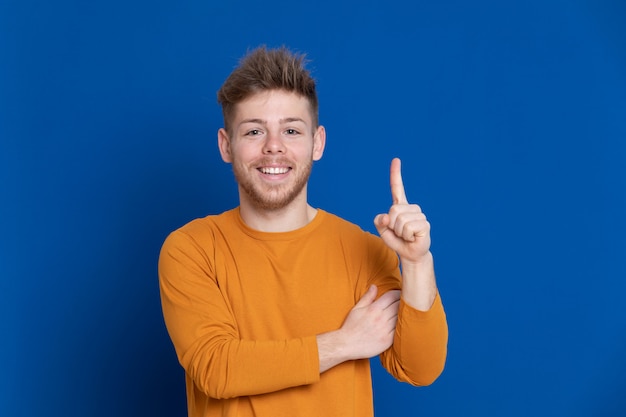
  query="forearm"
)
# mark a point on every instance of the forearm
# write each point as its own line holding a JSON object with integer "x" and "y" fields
{"x": 419, "y": 287}
{"x": 221, "y": 363}
{"x": 234, "y": 368}
{"x": 419, "y": 350}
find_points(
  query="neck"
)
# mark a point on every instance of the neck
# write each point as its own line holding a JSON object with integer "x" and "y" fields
{"x": 295, "y": 215}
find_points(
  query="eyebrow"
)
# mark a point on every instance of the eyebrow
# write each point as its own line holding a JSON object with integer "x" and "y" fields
{"x": 281, "y": 121}
{"x": 258, "y": 121}
{"x": 291, "y": 120}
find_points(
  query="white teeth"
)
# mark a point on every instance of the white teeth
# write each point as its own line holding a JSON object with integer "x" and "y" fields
{"x": 274, "y": 170}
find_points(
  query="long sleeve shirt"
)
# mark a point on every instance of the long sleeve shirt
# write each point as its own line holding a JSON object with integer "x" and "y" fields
{"x": 243, "y": 309}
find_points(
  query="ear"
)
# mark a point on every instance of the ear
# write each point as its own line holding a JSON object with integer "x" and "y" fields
{"x": 223, "y": 142}
{"x": 319, "y": 142}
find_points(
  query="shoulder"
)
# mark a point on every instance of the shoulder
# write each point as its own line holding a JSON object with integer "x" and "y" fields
{"x": 346, "y": 230}
{"x": 201, "y": 232}
{"x": 365, "y": 253}
{"x": 330, "y": 220}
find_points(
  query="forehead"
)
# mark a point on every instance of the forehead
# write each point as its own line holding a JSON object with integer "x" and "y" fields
{"x": 273, "y": 105}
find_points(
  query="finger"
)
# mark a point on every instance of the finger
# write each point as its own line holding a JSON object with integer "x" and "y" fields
{"x": 409, "y": 225}
{"x": 400, "y": 214}
{"x": 368, "y": 298}
{"x": 397, "y": 186}
{"x": 381, "y": 222}
{"x": 416, "y": 229}
{"x": 388, "y": 299}
{"x": 392, "y": 312}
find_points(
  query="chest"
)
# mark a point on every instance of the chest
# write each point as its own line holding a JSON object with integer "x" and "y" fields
{"x": 287, "y": 289}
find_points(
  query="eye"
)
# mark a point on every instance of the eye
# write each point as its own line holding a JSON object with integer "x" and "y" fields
{"x": 253, "y": 132}
{"x": 291, "y": 132}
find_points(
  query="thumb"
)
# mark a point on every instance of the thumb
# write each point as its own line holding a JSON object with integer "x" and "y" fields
{"x": 367, "y": 298}
{"x": 381, "y": 222}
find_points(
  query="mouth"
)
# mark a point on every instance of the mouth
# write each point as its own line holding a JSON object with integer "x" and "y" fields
{"x": 274, "y": 170}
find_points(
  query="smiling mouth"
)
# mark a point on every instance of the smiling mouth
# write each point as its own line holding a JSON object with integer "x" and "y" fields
{"x": 274, "y": 170}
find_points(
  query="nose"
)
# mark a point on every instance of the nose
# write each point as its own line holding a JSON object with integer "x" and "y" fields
{"x": 273, "y": 143}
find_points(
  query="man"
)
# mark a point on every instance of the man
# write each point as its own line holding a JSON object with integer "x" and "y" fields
{"x": 275, "y": 307}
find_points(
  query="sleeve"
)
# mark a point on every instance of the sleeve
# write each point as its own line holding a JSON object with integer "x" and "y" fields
{"x": 419, "y": 349}
{"x": 205, "y": 336}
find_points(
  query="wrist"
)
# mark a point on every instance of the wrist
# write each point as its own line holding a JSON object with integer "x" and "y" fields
{"x": 423, "y": 263}
{"x": 332, "y": 349}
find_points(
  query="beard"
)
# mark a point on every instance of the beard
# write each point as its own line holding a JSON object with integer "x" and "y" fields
{"x": 272, "y": 197}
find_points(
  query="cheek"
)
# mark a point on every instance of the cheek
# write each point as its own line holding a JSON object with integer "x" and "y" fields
{"x": 304, "y": 150}
{"x": 242, "y": 153}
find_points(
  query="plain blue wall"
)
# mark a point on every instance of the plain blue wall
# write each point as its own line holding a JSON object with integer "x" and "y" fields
{"x": 510, "y": 117}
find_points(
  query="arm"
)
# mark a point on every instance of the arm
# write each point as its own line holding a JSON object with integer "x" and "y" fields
{"x": 406, "y": 230}
{"x": 205, "y": 334}
{"x": 367, "y": 331}
{"x": 421, "y": 335}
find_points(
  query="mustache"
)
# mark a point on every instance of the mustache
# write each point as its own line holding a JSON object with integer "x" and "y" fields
{"x": 266, "y": 161}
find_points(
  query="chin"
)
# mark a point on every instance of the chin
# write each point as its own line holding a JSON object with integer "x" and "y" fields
{"x": 262, "y": 201}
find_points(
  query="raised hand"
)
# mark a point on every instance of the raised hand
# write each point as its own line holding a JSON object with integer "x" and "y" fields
{"x": 368, "y": 330}
{"x": 404, "y": 228}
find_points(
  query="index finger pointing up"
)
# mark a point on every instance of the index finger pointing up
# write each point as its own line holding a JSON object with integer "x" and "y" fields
{"x": 397, "y": 186}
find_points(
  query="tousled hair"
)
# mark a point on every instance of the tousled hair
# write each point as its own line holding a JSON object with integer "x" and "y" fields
{"x": 264, "y": 69}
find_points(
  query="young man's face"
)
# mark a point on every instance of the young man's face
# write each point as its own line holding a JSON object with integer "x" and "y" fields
{"x": 272, "y": 146}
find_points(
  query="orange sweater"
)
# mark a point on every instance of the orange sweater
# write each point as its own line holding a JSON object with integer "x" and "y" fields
{"x": 243, "y": 309}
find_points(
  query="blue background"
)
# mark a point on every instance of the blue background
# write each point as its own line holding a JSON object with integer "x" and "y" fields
{"x": 510, "y": 118}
